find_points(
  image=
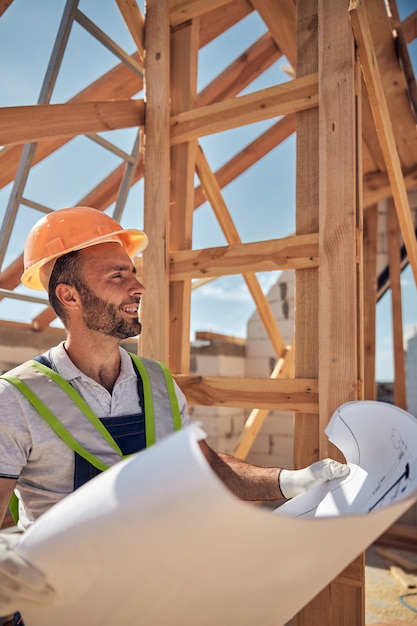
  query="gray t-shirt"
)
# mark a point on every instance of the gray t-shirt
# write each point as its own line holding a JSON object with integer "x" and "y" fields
{"x": 30, "y": 449}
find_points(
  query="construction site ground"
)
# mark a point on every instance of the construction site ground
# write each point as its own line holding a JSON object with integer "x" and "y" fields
{"x": 390, "y": 586}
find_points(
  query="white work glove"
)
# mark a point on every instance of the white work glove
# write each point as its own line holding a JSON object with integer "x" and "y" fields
{"x": 19, "y": 581}
{"x": 294, "y": 482}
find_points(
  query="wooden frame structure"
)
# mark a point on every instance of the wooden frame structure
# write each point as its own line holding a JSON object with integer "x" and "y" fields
{"x": 352, "y": 105}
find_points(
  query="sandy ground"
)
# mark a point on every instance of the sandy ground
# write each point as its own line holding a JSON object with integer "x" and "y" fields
{"x": 384, "y": 589}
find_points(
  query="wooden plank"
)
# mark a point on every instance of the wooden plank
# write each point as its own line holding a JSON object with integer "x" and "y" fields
{"x": 218, "y": 20}
{"x": 371, "y": 72}
{"x": 155, "y": 309}
{"x": 280, "y": 18}
{"x": 377, "y": 187}
{"x": 306, "y": 434}
{"x": 135, "y": 22}
{"x": 183, "y": 81}
{"x": 306, "y": 425}
{"x": 394, "y": 246}
{"x": 25, "y": 124}
{"x": 4, "y": 4}
{"x": 260, "y": 256}
{"x": 338, "y": 232}
{"x": 181, "y": 11}
{"x": 264, "y": 393}
{"x": 118, "y": 83}
{"x": 296, "y": 95}
{"x": 393, "y": 81}
{"x": 241, "y": 72}
{"x": 370, "y": 287}
{"x": 409, "y": 26}
{"x": 250, "y": 154}
{"x": 340, "y": 235}
{"x": 213, "y": 195}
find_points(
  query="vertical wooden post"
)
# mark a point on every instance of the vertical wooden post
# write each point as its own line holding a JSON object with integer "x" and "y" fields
{"x": 155, "y": 310}
{"x": 184, "y": 54}
{"x": 329, "y": 333}
{"x": 394, "y": 243}
{"x": 341, "y": 260}
{"x": 306, "y": 433}
{"x": 370, "y": 232}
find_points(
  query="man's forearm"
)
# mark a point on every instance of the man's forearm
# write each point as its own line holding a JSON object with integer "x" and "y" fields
{"x": 246, "y": 481}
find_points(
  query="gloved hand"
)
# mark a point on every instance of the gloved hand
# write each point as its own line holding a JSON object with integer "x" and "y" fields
{"x": 294, "y": 482}
{"x": 19, "y": 581}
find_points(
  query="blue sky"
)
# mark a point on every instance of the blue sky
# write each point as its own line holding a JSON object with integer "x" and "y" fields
{"x": 261, "y": 202}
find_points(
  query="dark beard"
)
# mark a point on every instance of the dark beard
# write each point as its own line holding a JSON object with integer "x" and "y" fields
{"x": 105, "y": 317}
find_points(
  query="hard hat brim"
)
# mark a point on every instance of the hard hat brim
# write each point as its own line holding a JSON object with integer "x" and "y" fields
{"x": 132, "y": 241}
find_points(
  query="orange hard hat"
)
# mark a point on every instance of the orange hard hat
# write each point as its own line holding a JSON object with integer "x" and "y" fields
{"x": 65, "y": 230}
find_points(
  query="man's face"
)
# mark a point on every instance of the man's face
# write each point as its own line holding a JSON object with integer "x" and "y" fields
{"x": 109, "y": 291}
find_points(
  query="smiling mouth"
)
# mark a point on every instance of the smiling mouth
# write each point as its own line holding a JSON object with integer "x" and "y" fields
{"x": 132, "y": 309}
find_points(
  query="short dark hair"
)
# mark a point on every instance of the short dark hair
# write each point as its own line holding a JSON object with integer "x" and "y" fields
{"x": 66, "y": 270}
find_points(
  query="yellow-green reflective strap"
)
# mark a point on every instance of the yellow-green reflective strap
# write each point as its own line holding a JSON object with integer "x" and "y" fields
{"x": 176, "y": 415}
{"x": 80, "y": 403}
{"x": 14, "y": 508}
{"x": 54, "y": 422}
{"x": 148, "y": 409}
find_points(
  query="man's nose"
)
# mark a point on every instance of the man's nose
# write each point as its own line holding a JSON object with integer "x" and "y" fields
{"x": 137, "y": 286}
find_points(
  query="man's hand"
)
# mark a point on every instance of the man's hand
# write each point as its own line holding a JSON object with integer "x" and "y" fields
{"x": 19, "y": 581}
{"x": 294, "y": 482}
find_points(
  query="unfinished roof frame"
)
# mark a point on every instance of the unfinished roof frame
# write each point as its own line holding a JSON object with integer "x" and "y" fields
{"x": 353, "y": 151}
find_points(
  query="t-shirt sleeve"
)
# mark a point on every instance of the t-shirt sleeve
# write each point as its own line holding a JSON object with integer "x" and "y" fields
{"x": 14, "y": 433}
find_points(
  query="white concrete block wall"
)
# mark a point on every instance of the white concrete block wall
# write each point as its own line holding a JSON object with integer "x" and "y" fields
{"x": 223, "y": 425}
{"x": 274, "y": 444}
{"x": 411, "y": 374}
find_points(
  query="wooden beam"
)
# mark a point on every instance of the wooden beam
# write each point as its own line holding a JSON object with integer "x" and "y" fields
{"x": 4, "y": 4}
{"x": 183, "y": 86}
{"x": 218, "y": 21}
{"x": 27, "y": 124}
{"x": 393, "y": 80}
{"x": 338, "y": 232}
{"x": 292, "y": 252}
{"x": 241, "y": 72}
{"x": 264, "y": 393}
{"x": 306, "y": 426}
{"x": 155, "y": 309}
{"x": 181, "y": 11}
{"x": 280, "y": 19}
{"x": 118, "y": 83}
{"x": 250, "y": 154}
{"x": 215, "y": 198}
{"x": 409, "y": 26}
{"x": 394, "y": 245}
{"x": 135, "y": 22}
{"x": 296, "y": 95}
{"x": 370, "y": 69}
{"x": 370, "y": 243}
{"x": 340, "y": 237}
{"x": 377, "y": 186}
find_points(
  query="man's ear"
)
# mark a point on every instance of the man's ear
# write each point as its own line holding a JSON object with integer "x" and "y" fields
{"x": 67, "y": 295}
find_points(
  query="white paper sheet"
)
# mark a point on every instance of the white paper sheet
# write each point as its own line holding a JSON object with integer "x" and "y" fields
{"x": 379, "y": 443}
{"x": 158, "y": 540}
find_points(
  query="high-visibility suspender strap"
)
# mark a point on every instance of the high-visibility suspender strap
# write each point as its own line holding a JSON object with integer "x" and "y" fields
{"x": 176, "y": 415}
{"x": 80, "y": 403}
{"x": 54, "y": 422}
